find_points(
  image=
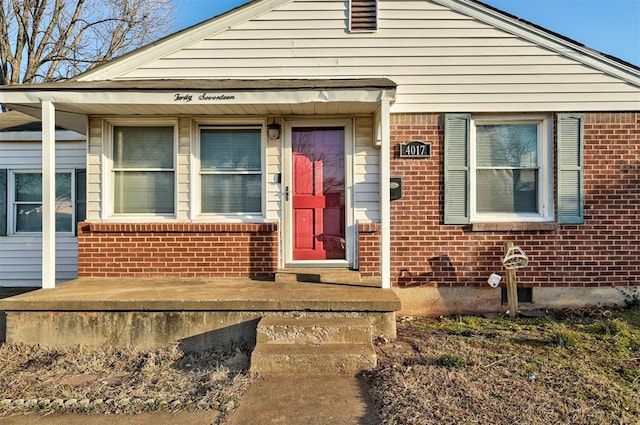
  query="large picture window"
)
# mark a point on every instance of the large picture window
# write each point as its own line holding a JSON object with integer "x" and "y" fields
{"x": 143, "y": 170}
{"x": 230, "y": 170}
{"x": 28, "y": 202}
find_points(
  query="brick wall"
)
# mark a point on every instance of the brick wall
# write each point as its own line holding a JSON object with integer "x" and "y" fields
{"x": 177, "y": 250}
{"x": 369, "y": 249}
{"x": 601, "y": 252}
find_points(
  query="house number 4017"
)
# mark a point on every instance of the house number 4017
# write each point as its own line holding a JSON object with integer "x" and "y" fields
{"x": 415, "y": 149}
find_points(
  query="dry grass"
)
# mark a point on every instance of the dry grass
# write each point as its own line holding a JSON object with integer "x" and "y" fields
{"x": 120, "y": 381}
{"x": 578, "y": 367}
{"x": 470, "y": 370}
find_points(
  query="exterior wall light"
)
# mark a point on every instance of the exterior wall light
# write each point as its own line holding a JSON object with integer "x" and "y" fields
{"x": 274, "y": 130}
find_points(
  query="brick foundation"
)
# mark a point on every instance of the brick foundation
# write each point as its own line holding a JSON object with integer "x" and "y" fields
{"x": 601, "y": 252}
{"x": 187, "y": 250}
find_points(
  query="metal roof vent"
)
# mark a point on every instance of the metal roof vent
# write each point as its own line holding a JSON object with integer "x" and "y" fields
{"x": 363, "y": 15}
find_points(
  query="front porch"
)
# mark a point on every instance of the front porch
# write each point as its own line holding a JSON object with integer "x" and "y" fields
{"x": 195, "y": 313}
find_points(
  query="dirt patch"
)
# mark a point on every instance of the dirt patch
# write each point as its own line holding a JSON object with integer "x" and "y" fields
{"x": 572, "y": 367}
{"x": 37, "y": 379}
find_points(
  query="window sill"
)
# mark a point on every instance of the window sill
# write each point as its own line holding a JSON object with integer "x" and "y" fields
{"x": 514, "y": 227}
{"x": 182, "y": 227}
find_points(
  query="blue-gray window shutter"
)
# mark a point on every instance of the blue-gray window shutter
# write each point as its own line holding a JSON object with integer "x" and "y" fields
{"x": 456, "y": 168}
{"x": 3, "y": 202}
{"x": 81, "y": 196}
{"x": 570, "y": 142}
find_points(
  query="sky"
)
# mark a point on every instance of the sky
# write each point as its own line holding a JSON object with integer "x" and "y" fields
{"x": 609, "y": 26}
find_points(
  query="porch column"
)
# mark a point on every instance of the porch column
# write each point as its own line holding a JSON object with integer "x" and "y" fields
{"x": 385, "y": 201}
{"x": 48, "y": 195}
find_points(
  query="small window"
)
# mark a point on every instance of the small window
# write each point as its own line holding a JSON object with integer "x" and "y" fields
{"x": 231, "y": 170}
{"x": 143, "y": 170}
{"x": 27, "y": 208}
{"x": 363, "y": 15}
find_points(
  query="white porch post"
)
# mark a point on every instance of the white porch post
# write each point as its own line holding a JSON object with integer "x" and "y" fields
{"x": 48, "y": 195}
{"x": 385, "y": 201}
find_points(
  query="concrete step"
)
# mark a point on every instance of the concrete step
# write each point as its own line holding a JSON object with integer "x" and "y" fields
{"x": 313, "y": 359}
{"x": 279, "y": 330}
{"x": 319, "y": 275}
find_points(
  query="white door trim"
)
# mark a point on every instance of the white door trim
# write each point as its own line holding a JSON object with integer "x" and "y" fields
{"x": 350, "y": 224}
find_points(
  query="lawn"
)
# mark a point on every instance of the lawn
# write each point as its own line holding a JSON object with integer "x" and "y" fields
{"x": 570, "y": 367}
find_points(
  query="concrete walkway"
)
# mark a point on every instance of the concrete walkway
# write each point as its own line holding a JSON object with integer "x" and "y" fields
{"x": 286, "y": 400}
{"x": 309, "y": 400}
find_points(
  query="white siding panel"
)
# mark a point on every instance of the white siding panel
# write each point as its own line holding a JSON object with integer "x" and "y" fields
{"x": 21, "y": 259}
{"x": 441, "y": 60}
{"x": 20, "y": 255}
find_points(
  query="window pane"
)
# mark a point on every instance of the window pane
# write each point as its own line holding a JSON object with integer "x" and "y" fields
{"x": 507, "y": 145}
{"x": 28, "y": 187}
{"x": 29, "y": 213}
{"x": 143, "y": 147}
{"x": 64, "y": 215}
{"x": 507, "y": 191}
{"x": 64, "y": 206}
{"x": 230, "y": 150}
{"x": 140, "y": 192}
{"x": 28, "y": 218}
{"x": 224, "y": 193}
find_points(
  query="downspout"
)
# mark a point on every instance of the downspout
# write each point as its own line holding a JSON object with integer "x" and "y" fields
{"x": 48, "y": 195}
{"x": 385, "y": 201}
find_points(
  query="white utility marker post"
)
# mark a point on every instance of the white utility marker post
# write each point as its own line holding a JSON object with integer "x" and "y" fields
{"x": 48, "y": 195}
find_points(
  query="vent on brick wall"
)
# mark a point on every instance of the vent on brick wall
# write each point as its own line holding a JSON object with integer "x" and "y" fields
{"x": 525, "y": 295}
{"x": 363, "y": 15}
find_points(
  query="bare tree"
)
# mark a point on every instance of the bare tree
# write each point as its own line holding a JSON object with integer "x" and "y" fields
{"x": 51, "y": 40}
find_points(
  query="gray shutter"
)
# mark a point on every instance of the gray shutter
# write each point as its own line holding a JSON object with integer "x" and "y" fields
{"x": 456, "y": 168}
{"x": 81, "y": 197}
{"x": 570, "y": 156}
{"x": 3, "y": 202}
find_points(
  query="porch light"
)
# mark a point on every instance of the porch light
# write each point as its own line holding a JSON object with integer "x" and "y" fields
{"x": 274, "y": 130}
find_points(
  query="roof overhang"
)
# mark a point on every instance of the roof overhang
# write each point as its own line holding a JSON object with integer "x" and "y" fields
{"x": 75, "y": 100}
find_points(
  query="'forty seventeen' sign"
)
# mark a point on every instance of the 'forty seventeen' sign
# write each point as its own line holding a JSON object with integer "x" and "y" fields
{"x": 203, "y": 97}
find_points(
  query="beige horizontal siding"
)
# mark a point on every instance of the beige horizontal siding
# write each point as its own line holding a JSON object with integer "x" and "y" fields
{"x": 366, "y": 162}
{"x": 440, "y": 59}
{"x": 94, "y": 174}
{"x": 274, "y": 167}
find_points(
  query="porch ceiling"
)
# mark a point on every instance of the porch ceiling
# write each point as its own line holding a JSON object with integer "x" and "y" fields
{"x": 74, "y": 100}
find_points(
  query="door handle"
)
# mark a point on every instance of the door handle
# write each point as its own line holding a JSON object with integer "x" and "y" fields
{"x": 286, "y": 193}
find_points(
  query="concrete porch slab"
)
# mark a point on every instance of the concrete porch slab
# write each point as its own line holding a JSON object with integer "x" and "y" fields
{"x": 117, "y": 294}
{"x": 195, "y": 313}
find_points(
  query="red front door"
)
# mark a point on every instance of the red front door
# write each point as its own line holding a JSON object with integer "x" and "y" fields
{"x": 318, "y": 193}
